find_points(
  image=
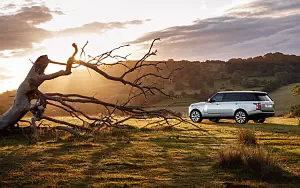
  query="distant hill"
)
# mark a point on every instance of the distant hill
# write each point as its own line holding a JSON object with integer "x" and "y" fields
{"x": 195, "y": 81}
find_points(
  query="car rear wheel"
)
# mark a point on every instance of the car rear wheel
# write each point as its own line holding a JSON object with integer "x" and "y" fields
{"x": 241, "y": 117}
{"x": 196, "y": 116}
{"x": 216, "y": 120}
{"x": 261, "y": 120}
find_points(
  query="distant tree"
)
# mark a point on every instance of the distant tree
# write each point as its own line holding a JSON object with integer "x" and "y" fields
{"x": 277, "y": 68}
{"x": 222, "y": 75}
{"x": 170, "y": 59}
{"x": 179, "y": 86}
{"x": 236, "y": 78}
{"x": 171, "y": 93}
{"x": 255, "y": 82}
{"x": 196, "y": 82}
{"x": 204, "y": 93}
{"x": 282, "y": 77}
{"x": 247, "y": 83}
{"x": 273, "y": 85}
{"x": 195, "y": 95}
{"x": 183, "y": 94}
{"x": 210, "y": 82}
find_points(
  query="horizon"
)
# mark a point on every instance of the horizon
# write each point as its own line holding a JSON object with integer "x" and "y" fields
{"x": 208, "y": 30}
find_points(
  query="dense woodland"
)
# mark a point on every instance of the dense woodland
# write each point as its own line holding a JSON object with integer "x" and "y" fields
{"x": 196, "y": 80}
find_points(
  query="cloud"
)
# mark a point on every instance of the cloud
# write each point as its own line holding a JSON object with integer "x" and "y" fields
{"x": 3, "y": 74}
{"x": 99, "y": 27}
{"x": 19, "y": 31}
{"x": 232, "y": 35}
{"x": 267, "y": 8}
{"x": 4, "y": 77}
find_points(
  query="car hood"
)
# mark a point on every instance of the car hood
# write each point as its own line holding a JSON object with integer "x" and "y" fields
{"x": 198, "y": 104}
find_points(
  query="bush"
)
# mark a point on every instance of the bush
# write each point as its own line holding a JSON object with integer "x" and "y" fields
{"x": 230, "y": 157}
{"x": 295, "y": 111}
{"x": 261, "y": 163}
{"x": 247, "y": 137}
{"x": 272, "y": 86}
{"x": 253, "y": 160}
{"x": 236, "y": 78}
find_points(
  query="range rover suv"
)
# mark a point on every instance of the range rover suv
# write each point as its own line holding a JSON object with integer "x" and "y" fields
{"x": 239, "y": 105}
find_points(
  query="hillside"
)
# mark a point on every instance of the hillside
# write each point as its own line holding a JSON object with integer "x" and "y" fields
{"x": 195, "y": 81}
{"x": 283, "y": 99}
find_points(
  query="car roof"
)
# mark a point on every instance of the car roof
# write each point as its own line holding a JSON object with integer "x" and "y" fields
{"x": 259, "y": 92}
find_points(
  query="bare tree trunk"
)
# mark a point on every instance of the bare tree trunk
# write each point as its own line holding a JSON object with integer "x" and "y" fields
{"x": 27, "y": 91}
{"x": 23, "y": 96}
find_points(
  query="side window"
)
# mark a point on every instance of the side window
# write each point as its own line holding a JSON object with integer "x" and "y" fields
{"x": 229, "y": 97}
{"x": 248, "y": 97}
{"x": 218, "y": 97}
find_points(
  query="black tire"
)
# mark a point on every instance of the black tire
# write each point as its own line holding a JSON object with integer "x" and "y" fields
{"x": 196, "y": 116}
{"x": 241, "y": 117}
{"x": 261, "y": 120}
{"x": 216, "y": 120}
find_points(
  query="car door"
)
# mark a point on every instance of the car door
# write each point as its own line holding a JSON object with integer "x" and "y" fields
{"x": 213, "y": 107}
{"x": 230, "y": 102}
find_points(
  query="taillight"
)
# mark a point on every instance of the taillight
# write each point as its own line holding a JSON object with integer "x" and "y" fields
{"x": 258, "y": 106}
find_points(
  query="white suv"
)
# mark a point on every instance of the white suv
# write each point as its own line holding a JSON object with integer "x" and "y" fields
{"x": 238, "y": 105}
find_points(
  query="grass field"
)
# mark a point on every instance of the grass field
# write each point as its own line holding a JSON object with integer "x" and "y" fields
{"x": 183, "y": 156}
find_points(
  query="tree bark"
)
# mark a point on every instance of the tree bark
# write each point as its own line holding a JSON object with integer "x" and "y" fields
{"x": 27, "y": 91}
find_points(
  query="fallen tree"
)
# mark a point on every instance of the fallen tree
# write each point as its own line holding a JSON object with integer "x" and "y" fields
{"x": 30, "y": 98}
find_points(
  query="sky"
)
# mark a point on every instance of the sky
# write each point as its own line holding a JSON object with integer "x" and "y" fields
{"x": 190, "y": 30}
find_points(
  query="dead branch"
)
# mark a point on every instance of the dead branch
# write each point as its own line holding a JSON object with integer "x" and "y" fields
{"x": 28, "y": 90}
{"x": 72, "y": 131}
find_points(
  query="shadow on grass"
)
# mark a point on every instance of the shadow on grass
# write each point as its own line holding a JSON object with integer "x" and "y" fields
{"x": 265, "y": 127}
{"x": 55, "y": 163}
{"x": 243, "y": 175}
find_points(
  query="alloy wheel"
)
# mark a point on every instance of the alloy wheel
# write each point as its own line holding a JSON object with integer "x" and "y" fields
{"x": 241, "y": 117}
{"x": 196, "y": 116}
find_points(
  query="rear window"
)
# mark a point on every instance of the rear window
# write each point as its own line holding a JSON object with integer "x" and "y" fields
{"x": 263, "y": 97}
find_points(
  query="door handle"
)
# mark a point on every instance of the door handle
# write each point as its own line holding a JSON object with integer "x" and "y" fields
{"x": 236, "y": 103}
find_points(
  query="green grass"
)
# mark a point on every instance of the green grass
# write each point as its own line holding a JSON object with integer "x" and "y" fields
{"x": 180, "y": 157}
{"x": 283, "y": 98}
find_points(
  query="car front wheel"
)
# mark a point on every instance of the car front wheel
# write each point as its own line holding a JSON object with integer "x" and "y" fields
{"x": 196, "y": 116}
{"x": 261, "y": 120}
{"x": 241, "y": 117}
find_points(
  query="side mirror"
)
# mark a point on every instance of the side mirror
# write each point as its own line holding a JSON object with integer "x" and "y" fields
{"x": 210, "y": 100}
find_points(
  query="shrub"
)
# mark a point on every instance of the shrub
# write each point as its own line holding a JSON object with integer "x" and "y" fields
{"x": 230, "y": 157}
{"x": 247, "y": 137}
{"x": 261, "y": 163}
{"x": 295, "y": 111}
{"x": 272, "y": 86}
{"x": 252, "y": 160}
